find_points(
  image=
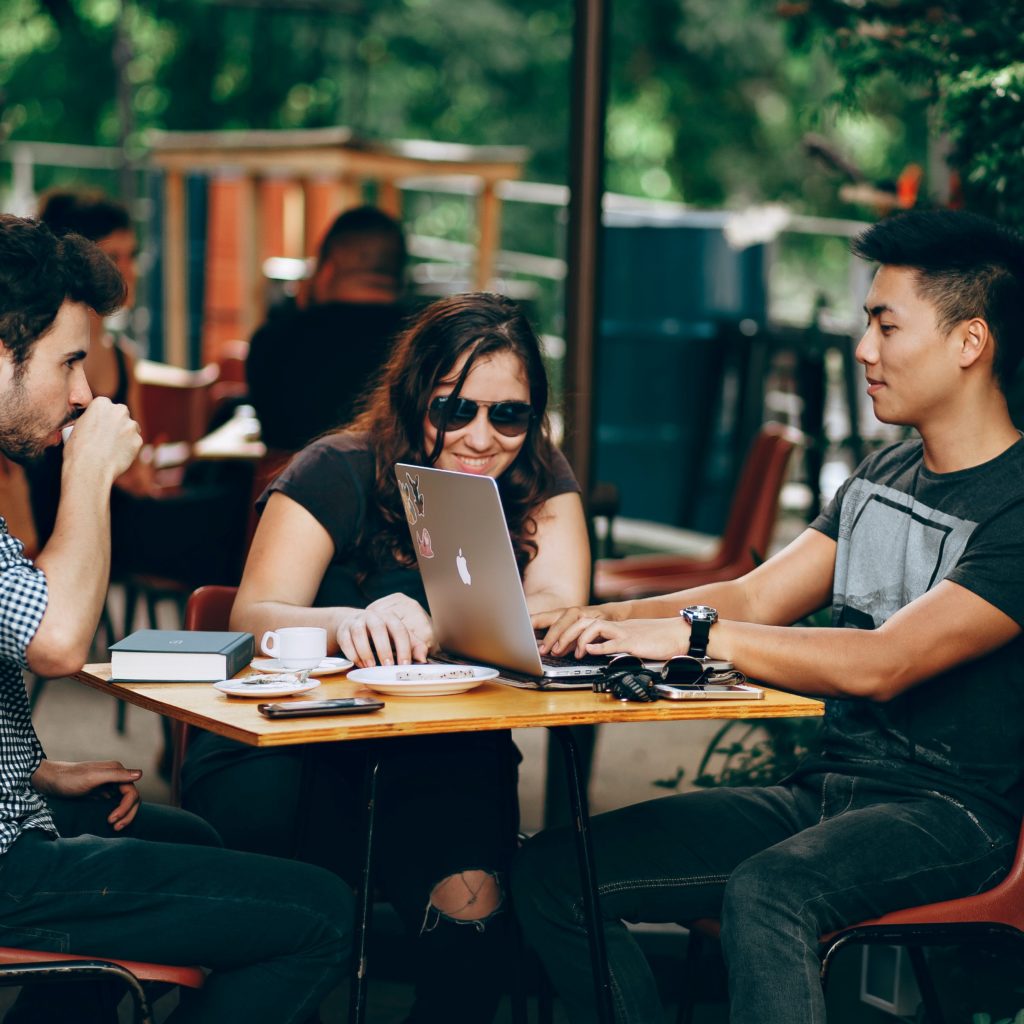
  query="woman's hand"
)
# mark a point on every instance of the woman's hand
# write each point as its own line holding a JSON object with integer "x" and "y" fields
{"x": 564, "y": 625}
{"x": 650, "y": 639}
{"x": 395, "y": 627}
{"x": 102, "y": 780}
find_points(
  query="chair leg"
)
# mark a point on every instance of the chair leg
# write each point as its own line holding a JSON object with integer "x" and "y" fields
{"x": 545, "y": 999}
{"x": 364, "y": 904}
{"x": 923, "y": 976}
{"x": 694, "y": 945}
{"x": 131, "y": 600}
{"x": 517, "y": 996}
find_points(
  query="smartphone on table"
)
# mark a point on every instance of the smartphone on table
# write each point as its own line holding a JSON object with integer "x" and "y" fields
{"x": 304, "y": 708}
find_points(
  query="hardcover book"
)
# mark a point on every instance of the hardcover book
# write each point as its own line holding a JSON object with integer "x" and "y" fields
{"x": 172, "y": 655}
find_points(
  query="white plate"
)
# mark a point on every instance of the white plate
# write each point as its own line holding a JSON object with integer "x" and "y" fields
{"x": 327, "y": 667}
{"x": 421, "y": 680}
{"x": 236, "y": 688}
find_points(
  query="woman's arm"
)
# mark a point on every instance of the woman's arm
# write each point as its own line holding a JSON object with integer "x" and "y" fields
{"x": 289, "y": 556}
{"x": 559, "y": 575}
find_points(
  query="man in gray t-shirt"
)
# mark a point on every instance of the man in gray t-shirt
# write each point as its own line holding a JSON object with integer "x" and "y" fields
{"x": 917, "y": 792}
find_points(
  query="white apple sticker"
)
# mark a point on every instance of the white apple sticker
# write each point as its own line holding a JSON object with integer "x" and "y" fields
{"x": 463, "y": 567}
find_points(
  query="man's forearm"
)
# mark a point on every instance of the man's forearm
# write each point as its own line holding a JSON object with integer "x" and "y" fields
{"x": 76, "y": 561}
{"x": 731, "y": 598}
{"x": 820, "y": 662}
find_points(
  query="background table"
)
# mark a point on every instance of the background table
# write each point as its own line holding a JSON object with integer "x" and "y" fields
{"x": 490, "y": 706}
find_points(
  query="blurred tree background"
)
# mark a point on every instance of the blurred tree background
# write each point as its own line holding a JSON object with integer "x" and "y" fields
{"x": 709, "y": 99}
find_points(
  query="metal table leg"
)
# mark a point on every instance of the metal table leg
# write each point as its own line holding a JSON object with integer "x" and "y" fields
{"x": 588, "y": 875}
{"x": 364, "y": 905}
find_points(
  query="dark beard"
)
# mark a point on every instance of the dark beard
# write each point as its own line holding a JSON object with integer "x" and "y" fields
{"x": 19, "y": 448}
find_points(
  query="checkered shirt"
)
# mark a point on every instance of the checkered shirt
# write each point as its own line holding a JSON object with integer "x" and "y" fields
{"x": 23, "y": 597}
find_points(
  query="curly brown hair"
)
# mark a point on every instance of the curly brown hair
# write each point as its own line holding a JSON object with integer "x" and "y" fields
{"x": 475, "y": 325}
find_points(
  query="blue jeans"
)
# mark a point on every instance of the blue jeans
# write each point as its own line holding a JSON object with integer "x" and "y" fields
{"x": 276, "y": 934}
{"x": 779, "y": 865}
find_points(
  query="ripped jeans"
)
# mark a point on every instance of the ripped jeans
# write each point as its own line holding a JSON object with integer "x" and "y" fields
{"x": 780, "y": 865}
{"x": 446, "y": 825}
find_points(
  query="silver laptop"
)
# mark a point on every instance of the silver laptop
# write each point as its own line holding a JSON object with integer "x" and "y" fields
{"x": 472, "y": 581}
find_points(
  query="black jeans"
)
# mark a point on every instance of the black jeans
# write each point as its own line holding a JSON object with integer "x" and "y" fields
{"x": 276, "y": 935}
{"x": 446, "y": 804}
{"x": 781, "y": 865}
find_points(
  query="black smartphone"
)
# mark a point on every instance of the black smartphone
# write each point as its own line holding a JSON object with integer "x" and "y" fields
{"x": 337, "y": 706}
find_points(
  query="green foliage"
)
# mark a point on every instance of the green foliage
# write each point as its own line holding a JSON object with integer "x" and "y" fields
{"x": 965, "y": 57}
{"x": 707, "y": 101}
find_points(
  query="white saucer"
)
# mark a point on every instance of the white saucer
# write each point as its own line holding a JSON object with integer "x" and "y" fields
{"x": 421, "y": 680}
{"x": 327, "y": 667}
{"x": 283, "y": 688}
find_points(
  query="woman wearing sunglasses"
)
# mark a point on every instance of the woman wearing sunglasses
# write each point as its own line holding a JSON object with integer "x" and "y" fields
{"x": 465, "y": 390}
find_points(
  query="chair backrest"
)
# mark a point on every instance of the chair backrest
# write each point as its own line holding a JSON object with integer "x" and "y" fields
{"x": 207, "y": 608}
{"x": 231, "y": 358}
{"x": 175, "y": 404}
{"x": 755, "y": 501}
{"x": 210, "y": 607}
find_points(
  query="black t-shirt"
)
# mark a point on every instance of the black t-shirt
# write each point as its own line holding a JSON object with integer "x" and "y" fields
{"x": 901, "y": 530}
{"x": 333, "y": 480}
{"x": 308, "y": 369}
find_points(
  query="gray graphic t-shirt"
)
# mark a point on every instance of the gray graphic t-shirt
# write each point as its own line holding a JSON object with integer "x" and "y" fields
{"x": 901, "y": 530}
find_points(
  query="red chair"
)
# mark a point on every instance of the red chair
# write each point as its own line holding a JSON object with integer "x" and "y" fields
{"x": 994, "y": 914}
{"x": 175, "y": 403}
{"x": 206, "y": 608}
{"x": 28, "y": 966}
{"x": 748, "y": 530}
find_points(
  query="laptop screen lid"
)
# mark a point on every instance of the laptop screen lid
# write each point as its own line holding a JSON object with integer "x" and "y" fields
{"x": 468, "y": 567}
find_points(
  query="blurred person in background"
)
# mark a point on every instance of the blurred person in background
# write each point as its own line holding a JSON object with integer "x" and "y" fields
{"x": 310, "y": 365}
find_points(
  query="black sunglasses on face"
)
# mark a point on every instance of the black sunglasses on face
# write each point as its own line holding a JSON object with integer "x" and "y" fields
{"x": 508, "y": 418}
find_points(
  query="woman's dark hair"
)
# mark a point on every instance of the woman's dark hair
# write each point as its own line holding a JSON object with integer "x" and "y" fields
{"x": 967, "y": 266}
{"x": 83, "y": 211}
{"x": 478, "y": 326}
{"x": 38, "y": 272}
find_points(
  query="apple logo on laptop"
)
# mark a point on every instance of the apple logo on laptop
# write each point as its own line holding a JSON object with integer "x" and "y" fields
{"x": 460, "y": 564}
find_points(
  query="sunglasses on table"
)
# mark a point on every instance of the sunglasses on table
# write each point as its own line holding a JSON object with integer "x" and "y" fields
{"x": 508, "y": 418}
{"x": 627, "y": 678}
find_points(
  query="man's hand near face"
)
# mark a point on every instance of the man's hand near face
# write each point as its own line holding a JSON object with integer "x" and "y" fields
{"x": 104, "y": 443}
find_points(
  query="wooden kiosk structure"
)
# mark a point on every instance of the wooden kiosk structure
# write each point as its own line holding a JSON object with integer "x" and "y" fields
{"x": 329, "y": 166}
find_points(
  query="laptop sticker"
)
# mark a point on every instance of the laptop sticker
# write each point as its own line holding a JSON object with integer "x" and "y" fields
{"x": 412, "y": 498}
{"x": 423, "y": 543}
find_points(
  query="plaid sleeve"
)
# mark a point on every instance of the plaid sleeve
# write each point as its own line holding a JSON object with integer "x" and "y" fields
{"x": 23, "y": 597}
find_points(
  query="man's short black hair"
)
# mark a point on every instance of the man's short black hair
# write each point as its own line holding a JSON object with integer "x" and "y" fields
{"x": 83, "y": 211}
{"x": 39, "y": 271}
{"x": 354, "y": 226}
{"x": 966, "y": 265}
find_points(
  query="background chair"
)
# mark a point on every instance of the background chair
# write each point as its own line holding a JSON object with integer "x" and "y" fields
{"x": 207, "y": 608}
{"x": 33, "y": 966}
{"x": 748, "y": 530}
{"x": 175, "y": 403}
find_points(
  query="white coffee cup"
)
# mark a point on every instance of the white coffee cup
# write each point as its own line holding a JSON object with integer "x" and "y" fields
{"x": 296, "y": 647}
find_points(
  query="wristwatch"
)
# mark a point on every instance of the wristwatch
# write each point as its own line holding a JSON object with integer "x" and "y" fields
{"x": 701, "y": 618}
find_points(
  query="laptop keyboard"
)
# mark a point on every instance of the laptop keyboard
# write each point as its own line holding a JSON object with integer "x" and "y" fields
{"x": 570, "y": 661}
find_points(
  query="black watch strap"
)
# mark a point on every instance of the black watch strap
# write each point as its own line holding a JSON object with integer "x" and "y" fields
{"x": 700, "y": 631}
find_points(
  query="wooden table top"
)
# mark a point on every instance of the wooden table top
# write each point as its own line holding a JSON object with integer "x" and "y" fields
{"x": 489, "y": 706}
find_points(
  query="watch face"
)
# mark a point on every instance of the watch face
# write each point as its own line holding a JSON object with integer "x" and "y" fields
{"x": 701, "y": 613}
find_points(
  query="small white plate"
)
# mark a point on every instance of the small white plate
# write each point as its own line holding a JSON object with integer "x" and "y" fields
{"x": 327, "y": 667}
{"x": 421, "y": 680}
{"x": 283, "y": 688}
